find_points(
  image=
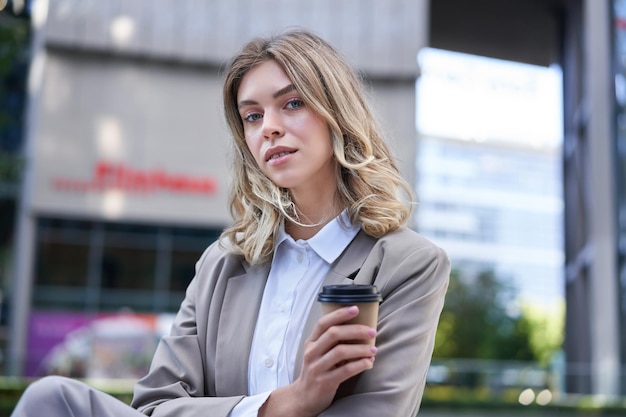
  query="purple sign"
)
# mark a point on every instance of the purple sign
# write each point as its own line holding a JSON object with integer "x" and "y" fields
{"x": 46, "y": 331}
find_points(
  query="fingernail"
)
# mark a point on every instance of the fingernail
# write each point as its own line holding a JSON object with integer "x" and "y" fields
{"x": 371, "y": 332}
{"x": 353, "y": 310}
{"x": 373, "y": 349}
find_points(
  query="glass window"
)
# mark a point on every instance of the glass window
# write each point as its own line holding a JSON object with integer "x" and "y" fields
{"x": 122, "y": 299}
{"x": 183, "y": 269}
{"x": 128, "y": 268}
{"x": 95, "y": 266}
{"x": 61, "y": 264}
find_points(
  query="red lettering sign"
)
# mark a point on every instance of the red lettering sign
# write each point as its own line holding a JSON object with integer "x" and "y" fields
{"x": 108, "y": 176}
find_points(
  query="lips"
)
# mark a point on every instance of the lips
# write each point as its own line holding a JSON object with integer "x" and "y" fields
{"x": 278, "y": 155}
{"x": 278, "y": 152}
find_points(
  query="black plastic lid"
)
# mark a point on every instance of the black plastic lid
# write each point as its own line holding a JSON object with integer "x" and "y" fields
{"x": 346, "y": 294}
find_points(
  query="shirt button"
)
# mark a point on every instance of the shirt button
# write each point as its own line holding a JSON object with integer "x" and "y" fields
{"x": 269, "y": 362}
{"x": 300, "y": 257}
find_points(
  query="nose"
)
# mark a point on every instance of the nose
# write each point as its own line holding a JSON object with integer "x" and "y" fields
{"x": 272, "y": 125}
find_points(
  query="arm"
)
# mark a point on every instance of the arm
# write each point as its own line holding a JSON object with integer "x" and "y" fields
{"x": 178, "y": 383}
{"x": 413, "y": 278}
{"x": 413, "y": 290}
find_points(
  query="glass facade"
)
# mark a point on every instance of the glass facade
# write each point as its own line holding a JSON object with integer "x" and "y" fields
{"x": 497, "y": 208}
{"x": 104, "y": 267}
{"x": 488, "y": 164}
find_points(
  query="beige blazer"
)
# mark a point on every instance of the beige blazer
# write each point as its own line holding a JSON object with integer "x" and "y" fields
{"x": 201, "y": 368}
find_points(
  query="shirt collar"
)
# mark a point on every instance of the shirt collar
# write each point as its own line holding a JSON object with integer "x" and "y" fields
{"x": 330, "y": 241}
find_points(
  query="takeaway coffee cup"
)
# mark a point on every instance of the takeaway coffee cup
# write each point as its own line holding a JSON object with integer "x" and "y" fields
{"x": 366, "y": 297}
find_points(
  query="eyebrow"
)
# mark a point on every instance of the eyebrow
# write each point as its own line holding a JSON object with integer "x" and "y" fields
{"x": 277, "y": 94}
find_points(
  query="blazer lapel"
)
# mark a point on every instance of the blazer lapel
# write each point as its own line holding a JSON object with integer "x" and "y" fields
{"x": 343, "y": 271}
{"x": 239, "y": 313}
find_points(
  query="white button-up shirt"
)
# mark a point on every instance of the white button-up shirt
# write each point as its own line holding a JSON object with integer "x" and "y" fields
{"x": 297, "y": 272}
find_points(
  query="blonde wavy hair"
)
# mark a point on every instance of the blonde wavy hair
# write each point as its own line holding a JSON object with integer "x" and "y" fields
{"x": 369, "y": 184}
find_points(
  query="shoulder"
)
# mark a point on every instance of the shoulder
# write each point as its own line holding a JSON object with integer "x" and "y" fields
{"x": 220, "y": 249}
{"x": 406, "y": 242}
{"x": 220, "y": 258}
{"x": 214, "y": 252}
{"x": 406, "y": 259}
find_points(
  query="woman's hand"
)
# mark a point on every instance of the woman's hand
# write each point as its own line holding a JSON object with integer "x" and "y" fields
{"x": 330, "y": 358}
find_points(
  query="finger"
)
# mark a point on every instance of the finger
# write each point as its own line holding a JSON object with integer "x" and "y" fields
{"x": 338, "y": 316}
{"x": 348, "y": 333}
{"x": 348, "y": 369}
{"x": 339, "y": 343}
{"x": 347, "y": 353}
{"x": 341, "y": 334}
{"x": 344, "y": 353}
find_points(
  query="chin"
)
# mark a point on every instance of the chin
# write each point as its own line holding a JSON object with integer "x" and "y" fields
{"x": 282, "y": 182}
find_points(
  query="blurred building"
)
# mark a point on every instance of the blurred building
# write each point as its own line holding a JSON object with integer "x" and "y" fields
{"x": 15, "y": 33}
{"x": 593, "y": 160}
{"x": 126, "y": 177}
{"x": 585, "y": 38}
{"x": 489, "y": 170}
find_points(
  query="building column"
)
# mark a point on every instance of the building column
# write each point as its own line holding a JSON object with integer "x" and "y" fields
{"x": 601, "y": 206}
{"x": 21, "y": 294}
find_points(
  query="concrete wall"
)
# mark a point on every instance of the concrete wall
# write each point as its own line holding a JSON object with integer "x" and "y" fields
{"x": 379, "y": 37}
{"x": 138, "y": 83}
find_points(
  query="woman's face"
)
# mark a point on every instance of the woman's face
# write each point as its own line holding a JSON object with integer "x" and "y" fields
{"x": 290, "y": 143}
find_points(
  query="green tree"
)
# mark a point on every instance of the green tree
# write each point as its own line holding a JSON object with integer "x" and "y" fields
{"x": 546, "y": 329}
{"x": 479, "y": 321}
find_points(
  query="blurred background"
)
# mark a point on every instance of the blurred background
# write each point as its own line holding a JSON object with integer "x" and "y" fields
{"x": 506, "y": 116}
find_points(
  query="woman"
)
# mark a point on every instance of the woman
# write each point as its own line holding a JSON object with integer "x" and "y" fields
{"x": 316, "y": 200}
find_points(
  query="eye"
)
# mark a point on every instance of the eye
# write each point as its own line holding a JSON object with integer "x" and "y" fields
{"x": 252, "y": 117}
{"x": 295, "y": 103}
